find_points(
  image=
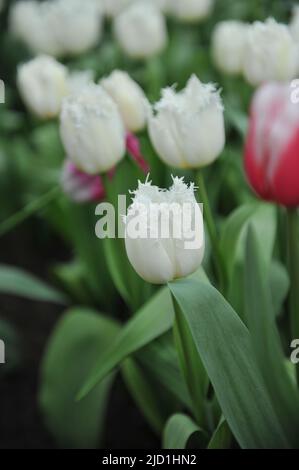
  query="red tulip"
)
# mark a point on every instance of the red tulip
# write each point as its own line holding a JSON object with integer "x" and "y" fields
{"x": 272, "y": 147}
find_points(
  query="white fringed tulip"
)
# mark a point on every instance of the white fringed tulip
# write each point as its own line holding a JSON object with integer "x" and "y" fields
{"x": 191, "y": 10}
{"x": 57, "y": 27}
{"x": 129, "y": 97}
{"x": 163, "y": 243}
{"x": 228, "y": 46}
{"x": 187, "y": 128}
{"x": 141, "y": 30}
{"x": 42, "y": 83}
{"x": 270, "y": 53}
{"x": 92, "y": 130}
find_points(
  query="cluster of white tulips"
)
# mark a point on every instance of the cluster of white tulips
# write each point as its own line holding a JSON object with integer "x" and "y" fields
{"x": 261, "y": 51}
{"x": 57, "y": 27}
{"x": 71, "y": 27}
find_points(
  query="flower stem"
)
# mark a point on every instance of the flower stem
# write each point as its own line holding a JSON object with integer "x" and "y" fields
{"x": 208, "y": 216}
{"x": 29, "y": 210}
{"x": 293, "y": 265}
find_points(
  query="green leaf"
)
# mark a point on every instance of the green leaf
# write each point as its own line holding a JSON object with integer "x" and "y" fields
{"x": 279, "y": 285}
{"x": 154, "y": 319}
{"x": 224, "y": 345}
{"x": 233, "y": 243}
{"x": 191, "y": 365}
{"x": 266, "y": 342}
{"x": 18, "y": 282}
{"x": 160, "y": 359}
{"x": 221, "y": 438}
{"x": 90, "y": 252}
{"x": 233, "y": 237}
{"x": 178, "y": 431}
{"x": 144, "y": 394}
{"x": 79, "y": 339}
{"x": 238, "y": 119}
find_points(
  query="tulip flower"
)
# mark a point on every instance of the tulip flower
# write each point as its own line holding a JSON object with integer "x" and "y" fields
{"x": 57, "y": 27}
{"x": 79, "y": 186}
{"x": 141, "y": 30}
{"x": 191, "y": 10}
{"x": 129, "y": 97}
{"x": 160, "y": 253}
{"x": 29, "y": 24}
{"x": 270, "y": 53}
{"x": 42, "y": 83}
{"x": 271, "y": 155}
{"x": 92, "y": 130}
{"x": 228, "y": 46}
{"x": 187, "y": 128}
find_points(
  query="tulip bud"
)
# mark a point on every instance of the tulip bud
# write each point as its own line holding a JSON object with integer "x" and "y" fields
{"x": 92, "y": 130}
{"x": 141, "y": 30}
{"x": 57, "y": 27}
{"x": 271, "y": 155}
{"x": 228, "y": 46}
{"x": 42, "y": 83}
{"x": 270, "y": 53}
{"x": 76, "y": 24}
{"x": 28, "y": 22}
{"x": 191, "y": 10}
{"x": 169, "y": 244}
{"x": 187, "y": 128}
{"x": 79, "y": 186}
{"x": 129, "y": 97}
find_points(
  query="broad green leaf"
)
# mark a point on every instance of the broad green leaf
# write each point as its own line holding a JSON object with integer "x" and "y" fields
{"x": 79, "y": 339}
{"x": 232, "y": 243}
{"x": 279, "y": 285}
{"x": 191, "y": 365}
{"x": 154, "y": 319}
{"x": 90, "y": 251}
{"x": 224, "y": 345}
{"x": 221, "y": 438}
{"x": 18, "y": 282}
{"x": 238, "y": 119}
{"x": 145, "y": 394}
{"x": 178, "y": 431}
{"x": 160, "y": 359}
{"x": 266, "y": 342}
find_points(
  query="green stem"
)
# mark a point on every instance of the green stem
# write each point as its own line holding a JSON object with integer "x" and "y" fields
{"x": 29, "y": 210}
{"x": 208, "y": 216}
{"x": 293, "y": 265}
